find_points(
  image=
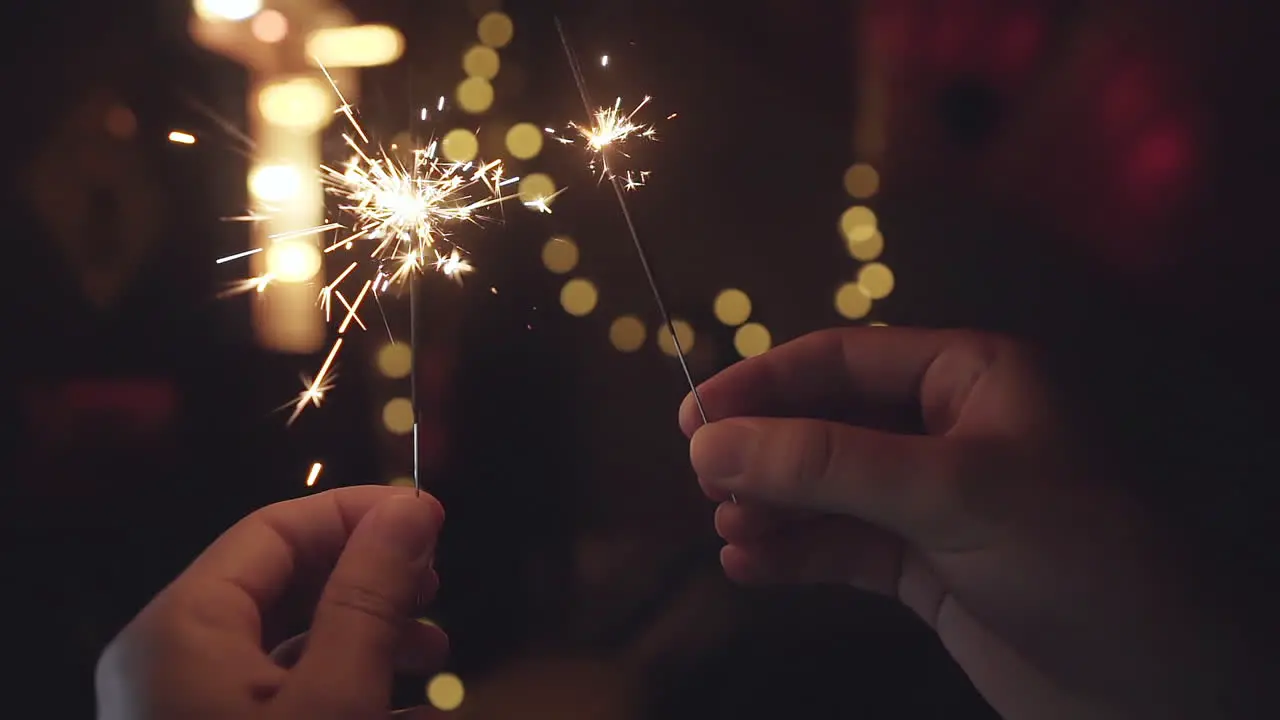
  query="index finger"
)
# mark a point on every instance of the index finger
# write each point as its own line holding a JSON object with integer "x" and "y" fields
{"x": 881, "y": 366}
{"x": 260, "y": 556}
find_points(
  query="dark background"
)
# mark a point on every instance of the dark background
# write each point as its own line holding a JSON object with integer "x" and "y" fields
{"x": 1093, "y": 177}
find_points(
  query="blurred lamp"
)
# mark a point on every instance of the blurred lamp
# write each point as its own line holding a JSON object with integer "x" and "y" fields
{"x": 358, "y": 46}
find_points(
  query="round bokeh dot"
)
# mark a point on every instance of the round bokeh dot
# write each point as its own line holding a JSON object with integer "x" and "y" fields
{"x": 537, "y": 187}
{"x": 474, "y": 95}
{"x": 397, "y": 416}
{"x": 395, "y": 360}
{"x": 857, "y": 223}
{"x": 684, "y": 331}
{"x": 578, "y": 297}
{"x": 852, "y": 302}
{"x": 560, "y": 255}
{"x": 861, "y": 181}
{"x": 627, "y": 333}
{"x": 459, "y": 145}
{"x": 752, "y": 339}
{"x": 524, "y": 141}
{"x": 482, "y": 62}
{"x": 496, "y": 29}
{"x": 446, "y": 692}
{"x": 732, "y": 307}
{"x": 867, "y": 249}
{"x": 876, "y": 280}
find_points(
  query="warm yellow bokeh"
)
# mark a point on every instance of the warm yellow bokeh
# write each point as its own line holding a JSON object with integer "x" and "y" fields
{"x": 627, "y": 333}
{"x": 537, "y": 188}
{"x": 858, "y": 223}
{"x": 227, "y": 10}
{"x": 474, "y": 95}
{"x": 560, "y": 255}
{"x": 876, "y": 280}
{"x": 867, "y": 249}
{"x": 578, "y": 297}
{"x": 401, "y": 482}
{"x": 852, "y": 302}
{"x": 459, "y": 145}
{"x": 684, "y": 332}
{"x": 482, "y": 62}
{"x": 861, "y": 181}
{"x": 275, "y": 183}
{"x": 752, "y": 339}
{"x": 395, "y": 360}
{"x": 495, "y": 29}
{"x": 355, "y": 46}
{"x": 446, "y": 692}
{"x": 732, "y": 307}
{"x": 524, "y": 141}
{"x": 303, "y": 103}
{"x": 293, "y": 261}
{"x": 397, "y": 416}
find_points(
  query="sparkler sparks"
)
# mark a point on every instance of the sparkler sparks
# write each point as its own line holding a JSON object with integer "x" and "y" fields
{"x": 609, "y": 130}
{"x": 399, "y": 218}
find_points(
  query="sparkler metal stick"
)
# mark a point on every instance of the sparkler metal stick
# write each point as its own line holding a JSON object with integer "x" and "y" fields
{"x": 617, "y": 184}
{"x": 413, "y": 381}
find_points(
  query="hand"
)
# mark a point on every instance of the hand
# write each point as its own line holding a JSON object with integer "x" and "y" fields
{"x": 197, "y": 650}
{"x": 940, "y": 474}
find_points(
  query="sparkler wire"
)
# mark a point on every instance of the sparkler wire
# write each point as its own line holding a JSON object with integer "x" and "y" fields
{"x": 581, "y": 83}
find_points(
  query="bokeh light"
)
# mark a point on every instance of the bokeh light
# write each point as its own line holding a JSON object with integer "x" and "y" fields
{"x": 579, "y": 296}
{"x": 459, "y": 145}
{"x": 395, "y": 360}
{"x": 480, "y": 61}
{"x": 857, "y": 223}
{"x": 627, "y": 333}
{"x": 524, "y": 141}
{"x": 732, "y": 307}
{"x": 867, "y": 249}
{"x": 537, "y": 187}
{"x": 446, "y": 692}
{"x": 684, "y": 331}
{"x": 861, "y": 181}
{"x": 852, "y": 302}
{"x": 496, "y": 30}
{"x": 302, "y": 103}
{"x": 752, "y": 339}
{"x": 474, "y": 95}
{"x": 560, "y": 255}
{"x": 293, "y": 261}
{"x": 876, "y": 280}
{"x": 402, "y": 481}
{"x": 355, "y": 46}
{"x": 270, "y": 27}
{"x": 231, "y": 10}
{"x": 275, "y": 183}
{"x": 397, "y": 416}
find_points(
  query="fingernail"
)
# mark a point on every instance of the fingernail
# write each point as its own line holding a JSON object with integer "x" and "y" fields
{"x": 409, "y": 525}
{"x": 721, "y": 450}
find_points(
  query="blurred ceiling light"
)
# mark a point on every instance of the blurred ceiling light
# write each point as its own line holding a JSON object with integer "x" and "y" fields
{"x": 181, "y": 138}
{"x": 732, "y": 307}
{"x": 270, "y": 26}
{"x": 876, "y": 280}
{"x": 536, "y": 188}
{"x": 300, "y": 103}
{"x": 275, "y": 183}
{"x": 560, "y": 255}
{"x": 293, "y": 261}
{"x": 852, "y": 302}
{"x": 460, "y": 145}
{"x": 227, "y": 10}
{"x": 397, "y": 416}
{"x": 359, "y": 46}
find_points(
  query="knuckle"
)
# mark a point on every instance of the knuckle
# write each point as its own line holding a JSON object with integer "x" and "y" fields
{"x": 950, "y": 379}
{"x": 812, "y": 449}
{"x": 356, "y": 598}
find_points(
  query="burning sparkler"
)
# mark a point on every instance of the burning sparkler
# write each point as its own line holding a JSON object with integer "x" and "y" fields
{"x": 398, "y": 220}
{"x": 610, "y": 129}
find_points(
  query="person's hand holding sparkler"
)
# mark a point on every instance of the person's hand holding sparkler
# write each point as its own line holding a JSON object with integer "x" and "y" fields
{"x": 951, "y": 483}
{"x": 197, "y": 650}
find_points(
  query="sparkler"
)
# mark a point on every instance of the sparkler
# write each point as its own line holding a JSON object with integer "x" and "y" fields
{"x": 399, "y": 219}
{"x": 610, "y": 129}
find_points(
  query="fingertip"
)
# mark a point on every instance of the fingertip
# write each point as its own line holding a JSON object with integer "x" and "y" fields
{"x": 688, "y": 416}
{"x": 740, "y": 567}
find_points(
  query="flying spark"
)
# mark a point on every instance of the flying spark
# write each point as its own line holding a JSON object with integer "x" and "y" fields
{"x": 398, "y": 218}
{"x": 610, "y": 129}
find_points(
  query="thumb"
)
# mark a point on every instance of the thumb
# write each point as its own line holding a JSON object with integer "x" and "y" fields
{"x": 371, "y": 594}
